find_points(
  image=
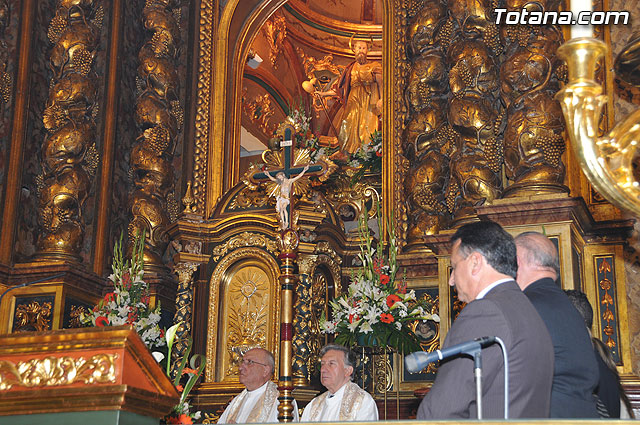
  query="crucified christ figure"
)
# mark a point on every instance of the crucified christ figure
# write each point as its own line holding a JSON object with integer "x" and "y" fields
{"x": 284, "y": 199}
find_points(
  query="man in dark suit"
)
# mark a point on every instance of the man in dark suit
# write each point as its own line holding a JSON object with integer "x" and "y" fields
{"x": 483, "y": 263}
{"x": 575, "y": 374}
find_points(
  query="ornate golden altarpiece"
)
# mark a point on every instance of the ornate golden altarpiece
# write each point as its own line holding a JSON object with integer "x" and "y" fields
{"x": 455, "y": 118}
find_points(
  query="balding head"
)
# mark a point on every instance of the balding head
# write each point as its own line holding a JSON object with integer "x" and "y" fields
{"x": 255, "y": 368}
{"x": 537, "y": 258}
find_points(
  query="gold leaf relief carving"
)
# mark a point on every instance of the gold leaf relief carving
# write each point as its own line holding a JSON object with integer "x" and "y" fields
{"x": 259, "y": 111}
{"x": 245, "y": 239}
{"x": 58, "y": 371}
{"x": 216, "y": 303}
{"x": 200, "y": 153}
{"x": 74, "y": 316}
{"x": 250, "y": 198}
{"x": 32, "y": 316}
{"x": 275, "y": 30}
{"x": 248, "y": 291}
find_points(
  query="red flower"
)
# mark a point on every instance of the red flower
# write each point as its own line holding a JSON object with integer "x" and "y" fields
{"x": 392, "y": 299}
{"x": 182, "y": 419}
{"x": 402, "y": 287}
{"x": 126, "y": 280}
{"x": 132, "y": 317}
{"x": 180, "y": 388}
{"x": 187, "y": 370}
{"x": 378, "y": 153}
{"x": 145, "y": 299}
{"x": 102, "y": 321}
{"x": 386, "y": 318}
{"x": 353, "y": 317}
{"x": 384, "y": 279}
{"x": 109, "y": 297}
{"x": 376, "y": 265}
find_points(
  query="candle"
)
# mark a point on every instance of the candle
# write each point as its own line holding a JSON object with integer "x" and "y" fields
{"x": 578, "y": 30}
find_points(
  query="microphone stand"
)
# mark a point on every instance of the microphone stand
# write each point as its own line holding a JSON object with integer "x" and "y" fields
{"x": 477, "y": 373}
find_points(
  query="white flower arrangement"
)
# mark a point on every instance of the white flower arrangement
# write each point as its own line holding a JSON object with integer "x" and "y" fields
{"x": 128, "y": 303}
{"x": 377, "y": 310}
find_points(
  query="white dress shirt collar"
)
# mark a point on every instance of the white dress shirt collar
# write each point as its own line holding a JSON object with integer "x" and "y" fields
{"x": 486, "y": 290}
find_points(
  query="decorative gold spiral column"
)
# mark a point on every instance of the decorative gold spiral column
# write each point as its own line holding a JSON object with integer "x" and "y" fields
{"x": 69, "y": 156}
{"x": 533, "y": 139}
{"x": 289, "y": 241}
{"x": 184, "y": 307}
{"x": 158, "y": 117}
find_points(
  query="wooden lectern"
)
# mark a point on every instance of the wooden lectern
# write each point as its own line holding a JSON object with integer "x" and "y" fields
{"x": 92, "y": 375}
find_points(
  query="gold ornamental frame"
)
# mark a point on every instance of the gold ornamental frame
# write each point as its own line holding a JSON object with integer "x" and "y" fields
{"x": 227, "y": 268}
{"x": 226, "y": 34}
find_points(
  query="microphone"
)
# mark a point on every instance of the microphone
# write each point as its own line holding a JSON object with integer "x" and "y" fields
{"x": 417, "y": 361}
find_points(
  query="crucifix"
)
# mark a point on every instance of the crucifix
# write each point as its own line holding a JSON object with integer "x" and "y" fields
{"x": 287, "y": 172}
{"x": 286, "y": 176}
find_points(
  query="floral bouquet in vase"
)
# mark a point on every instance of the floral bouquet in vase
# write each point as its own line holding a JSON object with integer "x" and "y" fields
{"x": 128, "y": 302}
{"x": 377, "y": 310}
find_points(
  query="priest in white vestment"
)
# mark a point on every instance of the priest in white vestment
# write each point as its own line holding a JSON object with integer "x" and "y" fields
{"x": 345, "y": 400}
{"x": 258, "y": 403}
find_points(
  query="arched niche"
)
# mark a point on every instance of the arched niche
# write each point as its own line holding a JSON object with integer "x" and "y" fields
{"x": 244, "y": 307}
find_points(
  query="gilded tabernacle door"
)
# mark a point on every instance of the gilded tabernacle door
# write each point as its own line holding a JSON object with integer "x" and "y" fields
{"x": 243, "y": 311}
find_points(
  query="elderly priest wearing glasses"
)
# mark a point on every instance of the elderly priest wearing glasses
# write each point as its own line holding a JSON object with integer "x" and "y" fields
{"x": 258, "y": 403}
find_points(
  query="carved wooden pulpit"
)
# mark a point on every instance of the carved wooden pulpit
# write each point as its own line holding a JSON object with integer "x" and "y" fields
{"x": 89, "y": 375}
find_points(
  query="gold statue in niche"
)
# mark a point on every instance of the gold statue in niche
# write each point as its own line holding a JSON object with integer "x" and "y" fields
{"x": 360, "y": 91}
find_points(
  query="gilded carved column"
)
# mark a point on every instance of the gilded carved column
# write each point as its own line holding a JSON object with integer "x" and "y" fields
{"x": 184, "y": 310}
{"x": 158, "y": 118}
{"x": 427, "y": 137}
{"x": 302, "y": 321}
{"x": 474, "y": 110}
{"x": 533, "y": 135}
{"x": 288, "y": 240}
{"x": 69, "y": 156}
{"x": 6, "y": 82}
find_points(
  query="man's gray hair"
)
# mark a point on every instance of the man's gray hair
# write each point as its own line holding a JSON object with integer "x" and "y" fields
{"x": 271, "y": 361}
{"x": 349, "y": 357}
{"x": 541, "y": 251}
